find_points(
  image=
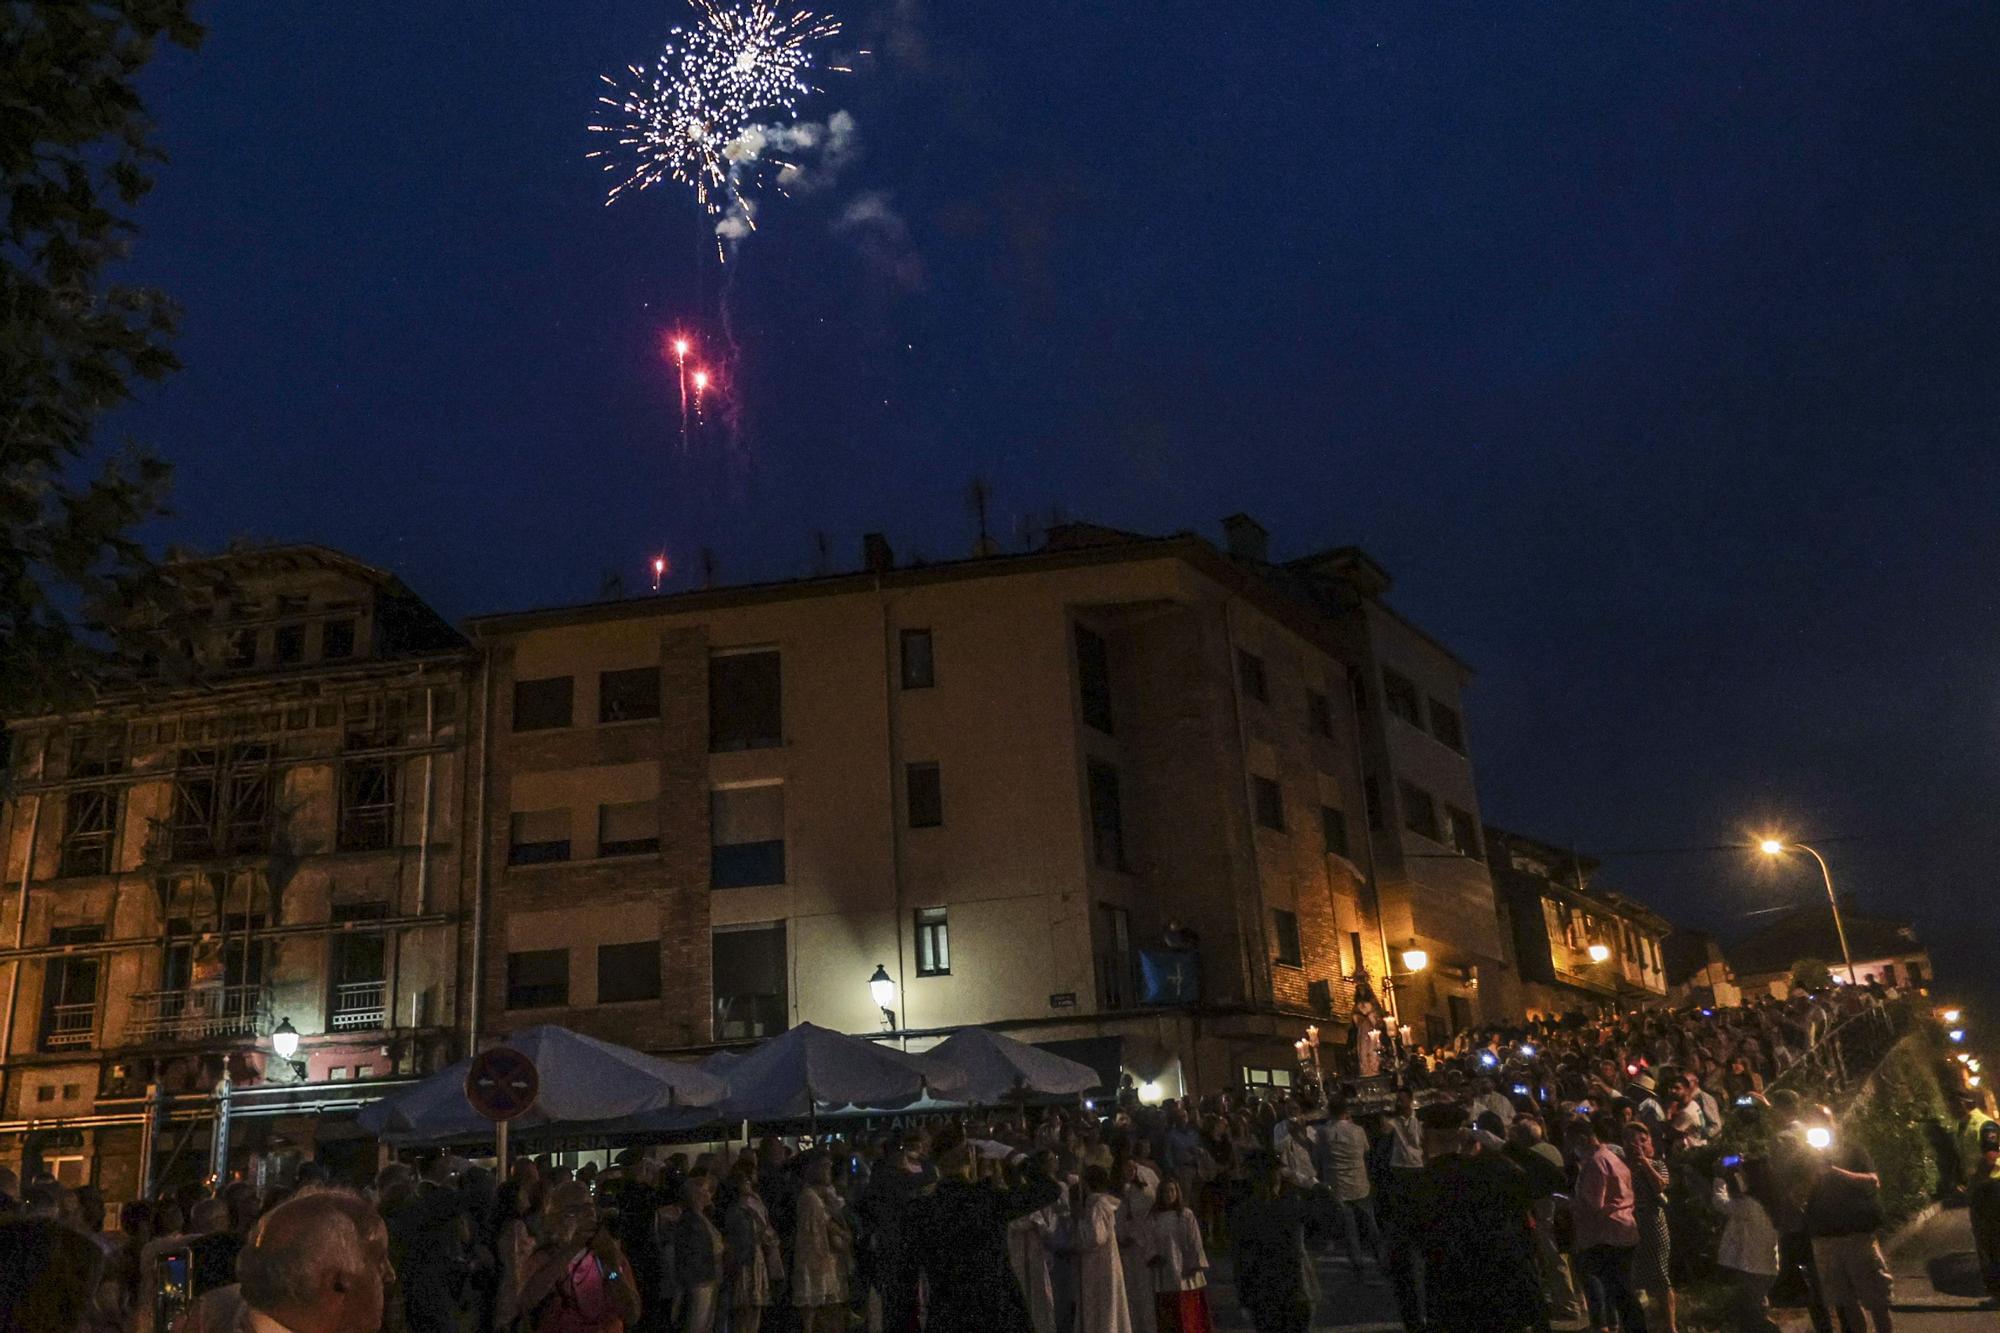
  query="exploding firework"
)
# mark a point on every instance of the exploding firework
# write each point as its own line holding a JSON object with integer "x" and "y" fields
{"x": 685, "y": 117}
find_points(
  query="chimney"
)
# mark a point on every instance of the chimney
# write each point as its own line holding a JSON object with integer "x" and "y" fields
{"x": 876, "y": 557}
{"x": 1246, "y": 539}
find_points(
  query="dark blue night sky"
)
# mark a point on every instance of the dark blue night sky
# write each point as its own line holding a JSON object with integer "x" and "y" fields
{"x": 1654, "y": 348}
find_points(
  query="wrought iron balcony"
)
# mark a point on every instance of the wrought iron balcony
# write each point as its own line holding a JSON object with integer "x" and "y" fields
{"x": 69, "y": 1025}
{"x": 200, "y": 1014}
{"x": 359, "y": 1005}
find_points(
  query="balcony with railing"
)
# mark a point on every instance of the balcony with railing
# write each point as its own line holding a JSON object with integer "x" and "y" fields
{"x": 200, "y": 1014}
{"x": 359, "y": 1005}
{"x": 69, "y": 1026}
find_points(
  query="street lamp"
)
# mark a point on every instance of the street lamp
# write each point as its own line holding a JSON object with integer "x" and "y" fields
{"x": 883, "y": 991}
{"x": 1415, "y": 959}
{"x": 285, "y": 1039}
{"x": 1600, "y": 953}
{"x": 1773, "y": 847}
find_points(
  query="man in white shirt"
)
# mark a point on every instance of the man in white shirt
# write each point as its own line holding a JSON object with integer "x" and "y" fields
{"x": 1698, "y": 1119}
{"x": 1487, "y": 1099}
{"x": 1295, "y": 1152}
{"x": 1346, "y": 1155}
{"x": 1408, "y": 1153}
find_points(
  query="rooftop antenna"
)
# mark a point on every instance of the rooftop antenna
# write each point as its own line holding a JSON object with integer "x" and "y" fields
{"x": 707, "y": 567}
{"x": 979, "y": 499}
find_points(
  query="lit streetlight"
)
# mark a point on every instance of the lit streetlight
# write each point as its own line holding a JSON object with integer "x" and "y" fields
{"x": 883, "y": 991}
{"x": 285, "y": 1039}
{"x": 1774, "y": 847}
{"x": 1600, "y": 953}
{"x": 1415, "y": 959}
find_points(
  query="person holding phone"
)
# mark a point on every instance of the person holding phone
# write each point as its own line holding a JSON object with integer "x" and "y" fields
{"x": 579, "y": 1280}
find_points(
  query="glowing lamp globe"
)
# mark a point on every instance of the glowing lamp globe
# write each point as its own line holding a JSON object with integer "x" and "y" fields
{"x": 1599, "y": 953}
{"x": 882, "y": 988}
{"x": 1950, "y": 1015}
{"x": 1770, "y": 846}
{"x": 285, "y": 1039}
{"x": 1416, "y": 960}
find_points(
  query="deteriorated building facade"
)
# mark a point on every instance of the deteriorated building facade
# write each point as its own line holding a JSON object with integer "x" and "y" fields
{"x": 190, "y": 865}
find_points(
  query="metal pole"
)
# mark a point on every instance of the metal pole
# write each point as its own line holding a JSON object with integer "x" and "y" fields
{"x": 218, "y": 1162}
{"x": 500, "y": 1158}
{"x": 1834, "y": 903}
{"x": 149, "y": 1131}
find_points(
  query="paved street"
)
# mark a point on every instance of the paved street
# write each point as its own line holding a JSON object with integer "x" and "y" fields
{"x": 1937, "y": 1284}
{"x": 1937, "y": 1289}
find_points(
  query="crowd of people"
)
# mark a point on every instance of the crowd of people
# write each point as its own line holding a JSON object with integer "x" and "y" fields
{"x": 1549, "y": 1173}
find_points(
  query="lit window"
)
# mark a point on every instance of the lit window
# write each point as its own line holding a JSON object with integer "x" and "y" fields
{"x": 933, "y": 942}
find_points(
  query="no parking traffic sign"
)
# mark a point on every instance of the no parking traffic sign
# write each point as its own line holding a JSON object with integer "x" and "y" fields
{"x": 502, "y": 1083}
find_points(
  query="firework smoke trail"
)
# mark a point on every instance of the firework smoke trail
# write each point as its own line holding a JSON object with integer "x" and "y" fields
{"x": 683, "y": 118}
{"x": 680, "y": 346}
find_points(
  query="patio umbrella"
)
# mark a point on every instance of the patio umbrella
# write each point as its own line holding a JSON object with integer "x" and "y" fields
{"x": 583, "y": 1080}
{"x": 800, "y": 1071}
{"x": 999, "y": 1069}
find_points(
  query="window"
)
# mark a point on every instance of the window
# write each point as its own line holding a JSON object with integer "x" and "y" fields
{"x": 627, "y": 972}
{"x": 221, "y": 803}
{"x": 924, "y": 789}
{"x": 69, "y": 995}
{"x": 745, "y": 704}
{"x": 239, "y": 649}
{"x": 367, "y": 805}
{"x": 1333, "y": 828}
{"x": 1107, "y": 817}
{"x": 1916, "y": 971}
{"x": 1319, "y": 713}
{"x": 748, "y": 965}
{"x": 1371, "y": 797}
{"x": 1446, "y": 726}
{"x": 628, "y": 828}
{"x": 1286, "y": 926}
{"x": 288, "y": 644}
{"x": 542, "y": 704}
{"x": 360, "y": 995}
{"x": 336, "y": 639}
{"x": 1268, "y": 802}
{"x": 1420, "y": 812}
{"x": 933, "y": 942}
{"x": 536, "y": 837}
{"x": 1464, "y": 831}
{"x": 919, "y": 666}
{"x": 538, "y": 979}
{"x": 1250, "y": 671}
{"x": 627, "y": 696}
{"x": 89, "y": 818}
{"x": 1319, "y": 998}
{"x": 746, "y": 836}
{"x": 1093, "y": 676}
{"x": 96, "y": 754}
{"x": 1114, "y": 960}
{"x": 1401, "y": 697}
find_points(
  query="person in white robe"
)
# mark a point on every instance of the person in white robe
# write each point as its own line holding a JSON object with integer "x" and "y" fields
{"x": 1101, "y": 1302}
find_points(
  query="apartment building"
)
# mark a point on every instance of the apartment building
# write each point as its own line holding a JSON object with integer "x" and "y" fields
{"x": 200, "y": 869}
{"x": 1576, "y": 946}
{"x": 1438, "y": 917}
{"x": 1039, "y": 791}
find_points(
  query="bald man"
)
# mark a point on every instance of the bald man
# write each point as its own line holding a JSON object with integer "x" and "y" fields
{"x": 314, "y": 1264}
